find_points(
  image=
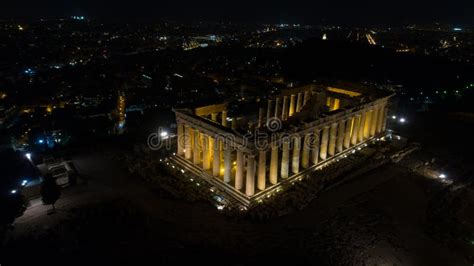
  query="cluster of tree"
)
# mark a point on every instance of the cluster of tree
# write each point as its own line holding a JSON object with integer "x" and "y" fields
{"x": 50, "y": 191}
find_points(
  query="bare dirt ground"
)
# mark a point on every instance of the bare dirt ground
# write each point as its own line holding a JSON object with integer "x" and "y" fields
{"x": 377, "y": 219}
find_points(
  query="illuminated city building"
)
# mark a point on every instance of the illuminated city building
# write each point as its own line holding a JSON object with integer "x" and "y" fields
{"x": 120, "y": 113}
{"x": 251, "y": 154}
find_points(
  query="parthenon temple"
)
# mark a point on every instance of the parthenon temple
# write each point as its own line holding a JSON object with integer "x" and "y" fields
{"x": 249, "y": 148}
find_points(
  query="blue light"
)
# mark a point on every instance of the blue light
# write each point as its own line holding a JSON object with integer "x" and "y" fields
{"x": 41, "y": 141}
{"x": 78, "y": 17}
{"x": 29, "y": 71}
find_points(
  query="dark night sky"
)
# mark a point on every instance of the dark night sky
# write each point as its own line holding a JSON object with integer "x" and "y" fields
{"x": 458, "y": 12}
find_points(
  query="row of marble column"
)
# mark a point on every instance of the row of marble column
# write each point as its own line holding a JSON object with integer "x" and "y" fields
{"x": 223, "y": 117}
{"x": 284, "y": 106}
{"x": 249, "y": 171}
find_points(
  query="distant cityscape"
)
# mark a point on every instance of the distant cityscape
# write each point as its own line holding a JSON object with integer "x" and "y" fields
{"x": 150, "y": 134}
{"x": 78, "y": 66}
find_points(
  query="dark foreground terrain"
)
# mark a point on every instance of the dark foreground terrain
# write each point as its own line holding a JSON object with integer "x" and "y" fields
{"x": 378, "y": 219}
{"x": 390, "y": 216}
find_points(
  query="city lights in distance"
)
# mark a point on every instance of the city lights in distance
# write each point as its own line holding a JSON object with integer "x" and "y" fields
{"x": 78, "y": 17}
{"x": 29, "y": 72}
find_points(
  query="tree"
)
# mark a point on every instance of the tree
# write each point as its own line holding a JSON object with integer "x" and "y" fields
{"x": 50, "y": 190}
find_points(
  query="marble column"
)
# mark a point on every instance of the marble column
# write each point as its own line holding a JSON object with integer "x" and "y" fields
{"x": 211, "y": 149}
{"x": 250, "y": 179}
{"x": 196, "y": 148}
{"x": 260, "y": 117}
{"x": 349, "y": 130}
{"x": 206, "y": 154}
{"x": 329, "y": 102}
{"x": 285, "y": 157}
{"x": 380, "y": 119}
{"x": 224, "y": 118}
{"x": 305, "y": 153}
{"x": 355, "y": 129}
{"x": 274, "y": 165}
{"x": 187, "y": 142}
{"x": 214, "y": 116}
{"x": 277, "y": 108}
{"x": 284, "y": 111}
{"x": 360, "y": 135}
{"x": 323, "y": 151}
{"x": 384, "y": 117}
{"x": 373, "y": 126}
{"x": 227, "y": 163}
{"x": 367, "y": 124}
{"x": 221, "y": 156}
{"x": 306, "y": 97}
{"x": 180, "y": 139}
{"x": 299, "y": 102}
{"x": 292, "y": 105}
{"x": 269, "y": 110}
{"x": 332, "y": 140}
{"x": 337, "y": 104}
{"x": 295, "y": 161}
{"x": 216, "y": 162}
{"x": 340, "y": 136}
{"x": 315, "y": 147}
{"x": 262, "y": 170}
{"x": 239, "y": 171}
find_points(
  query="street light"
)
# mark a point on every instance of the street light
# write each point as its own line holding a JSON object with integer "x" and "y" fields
{"x": 402, "y": 120}
{"x": 13, "y": 191}
{"x": 442, "y": 176}
{"x": 28, "y": 155}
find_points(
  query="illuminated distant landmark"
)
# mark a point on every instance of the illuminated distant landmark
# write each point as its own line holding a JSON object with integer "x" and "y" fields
{"x": 120, "y": 113}
{"x": 251, "y": 150}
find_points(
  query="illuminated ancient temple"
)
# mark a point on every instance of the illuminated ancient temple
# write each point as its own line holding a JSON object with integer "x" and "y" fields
{"x": 250, "y": 149}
